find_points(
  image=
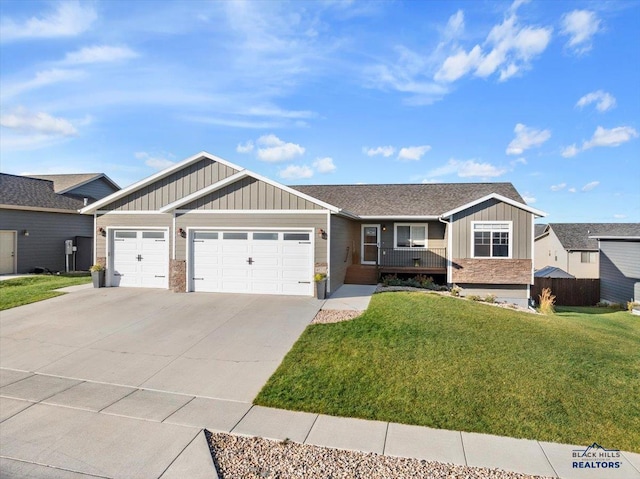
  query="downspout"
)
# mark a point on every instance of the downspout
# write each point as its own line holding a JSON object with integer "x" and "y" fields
{"x": 449, "y": 230}
{"x": 328, "y": 251}
{"x": 95, "y": 238}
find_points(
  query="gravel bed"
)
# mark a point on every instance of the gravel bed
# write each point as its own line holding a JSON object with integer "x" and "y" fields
{"x": 238, "y": 457}
{"x": 326, "y": 316}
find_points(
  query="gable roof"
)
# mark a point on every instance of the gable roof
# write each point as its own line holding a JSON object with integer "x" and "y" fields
{"x": 428, "y": 200}
{"x": 552, "y": 272}
{"x": 629, "y": 231}
{"x": 67, "y": 182}
{"x": 22, "y": 191}
{"x": 581, "y": 236}
{"x": 539, "y": 229}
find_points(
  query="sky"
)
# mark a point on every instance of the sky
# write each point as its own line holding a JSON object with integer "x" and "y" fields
{"x": 543, "y": 94}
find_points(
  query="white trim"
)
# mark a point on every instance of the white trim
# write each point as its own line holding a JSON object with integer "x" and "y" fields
{"x": 95, "y": 238}
{"x": 362, "y": 227}
{"x": 158, "y": 176}
{"x": 108, "y": 248}
{"x": 328, "y": 252}
{"x": 250, "y": 212}
{"x": 498, "y": 197}
{"x": 450, "y": 252}
{"x": 472, "y": 235}
{"x": 173, "y": 237}
{"x": 14, "y": 233}
{"x": 399, "y": 217}
{"x": 129, "y": 212}
{"x": 204, "y": 191}
{"x": 533, "y": 246}
{"x": 85, "y": 182}
{"x": 613, "y": 237}
{"x": 410, "y": 225}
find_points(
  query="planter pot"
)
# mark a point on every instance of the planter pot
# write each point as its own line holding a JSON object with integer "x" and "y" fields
{"x": 321, "y": 289}
{"x": 98, "y": 279}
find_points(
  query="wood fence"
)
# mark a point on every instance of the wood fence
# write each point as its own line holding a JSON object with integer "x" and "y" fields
{"x": 569, "y": 291}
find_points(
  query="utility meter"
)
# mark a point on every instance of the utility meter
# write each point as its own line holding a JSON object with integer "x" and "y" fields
{"x": 68, "y": 247}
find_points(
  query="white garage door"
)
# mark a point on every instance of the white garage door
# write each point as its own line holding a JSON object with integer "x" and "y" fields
{"x": 260, "y": 262}
{"x": 140, "y": 259}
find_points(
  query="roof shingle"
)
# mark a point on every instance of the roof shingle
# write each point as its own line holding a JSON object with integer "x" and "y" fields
{"x": 575, "y": 236}
{"x": 33, "y": 192}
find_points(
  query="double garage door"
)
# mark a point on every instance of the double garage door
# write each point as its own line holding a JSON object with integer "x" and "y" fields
{"x": 260, "y": 262}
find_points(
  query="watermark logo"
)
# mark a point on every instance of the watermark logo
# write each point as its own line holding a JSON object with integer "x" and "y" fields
{"x": 596, "y": 457}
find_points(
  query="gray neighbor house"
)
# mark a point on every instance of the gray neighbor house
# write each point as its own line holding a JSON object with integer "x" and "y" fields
{"x": 39, "y": 213}
{"x": 205, "y": 224}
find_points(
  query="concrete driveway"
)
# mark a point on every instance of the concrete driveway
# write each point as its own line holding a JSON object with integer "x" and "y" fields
{"x": 210, "y": 345}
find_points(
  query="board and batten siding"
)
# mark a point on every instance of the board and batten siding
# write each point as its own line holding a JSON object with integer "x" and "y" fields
{"x": 254, "y": 220}
{"x": 96, "y": 189}
{"x": 174, "y": 187}
{"x": 251, "y": 194}
{"x": 620, "y": 271}
{"x": 144, "y": 221}
{"x": 493, "y": 210}
{"x": 44, "y": 247}
{"x": 345, "y": 238}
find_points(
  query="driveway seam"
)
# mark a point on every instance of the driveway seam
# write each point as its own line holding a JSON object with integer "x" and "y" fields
{"x": 310, "y": 429}
{"x": 179, "y": 407}
{"x": 54, "y": 467}
{"x": 547, "y": 458}
{"x": 240, "y": 420}
{"x": 125, "y": 396}
{"x": 384, "y": 444}
{"x": 464, "y": 453}
{"x": 31, "y": 403}
{"x": 201, "y": 431}
{"x": 630, "y": 463}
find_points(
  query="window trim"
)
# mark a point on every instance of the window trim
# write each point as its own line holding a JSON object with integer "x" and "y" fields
{"x": 426, "y": 236}
{"x": 493, "y": 222}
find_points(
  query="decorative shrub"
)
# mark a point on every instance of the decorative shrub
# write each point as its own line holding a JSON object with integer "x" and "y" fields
{"x": 547, "y": 300}
{"x": 490, "y": 298}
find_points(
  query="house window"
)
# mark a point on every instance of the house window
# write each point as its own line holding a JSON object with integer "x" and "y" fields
{"x": 491, "y": 239}
{"x": 587, "y": 257}
{"x": 410, "y": 235}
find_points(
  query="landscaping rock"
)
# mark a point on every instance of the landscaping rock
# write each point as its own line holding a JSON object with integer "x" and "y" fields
{"x": 326, "y": 316}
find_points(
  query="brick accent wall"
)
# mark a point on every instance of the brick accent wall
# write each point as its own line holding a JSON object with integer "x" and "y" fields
{"x": 177, "y": 275}
{"x": 492, "y": 271}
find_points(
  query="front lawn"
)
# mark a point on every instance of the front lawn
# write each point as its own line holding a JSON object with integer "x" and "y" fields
{"x": 442, "y": 362}
{"x": 29, "y": 289}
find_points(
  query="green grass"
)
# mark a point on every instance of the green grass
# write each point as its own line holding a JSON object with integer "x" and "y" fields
{"x": 442, "y": 362}
{"x": 19, "y": 291}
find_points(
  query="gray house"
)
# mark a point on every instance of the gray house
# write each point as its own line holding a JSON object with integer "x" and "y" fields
{"x": 37, "y": 216}
{"x": 620, "y": 263}
{"x": 205, "y": 224}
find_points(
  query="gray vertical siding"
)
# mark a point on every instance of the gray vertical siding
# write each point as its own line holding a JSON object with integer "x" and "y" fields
{"x": 251, "y": 194}
{"x": 619, "y": 271}
{"x": 174, "y": 187}
{"x": 96, "y": 189}
{"x": 493, "y": 210}
{"x": 44, "y": 247}
{"x": 345, "y": 238}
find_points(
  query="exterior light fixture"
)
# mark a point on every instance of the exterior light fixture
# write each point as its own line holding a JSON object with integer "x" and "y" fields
{"x": 25, "y": 232}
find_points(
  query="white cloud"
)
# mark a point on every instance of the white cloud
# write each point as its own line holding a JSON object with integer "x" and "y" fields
{"x": 324, "y": 165}
{"x": 619, "y": 216}
{"x": 41, "y": 79}
{"x": 590, "y": 186}
{"x": 70, "y": 18}
{"x": 580, "y": 26}
{"x": 385, "y": 151}
{"x": 558, "y": 187}
{"x": 572, "y": 190}
{"x": 99, "y": 54}
{"x": 413, "y": 153}
{"x": 273, "y": 150}
{"x": 613, "y": 137}
{"x": 570, "y": 151}
{"x": 246, "y": 148}
{"x": 25, "y": 121}
{"x": 467, "y": 169}
{"x": 526, "y": 138}
{"x": 604, "y": 101}
{"x": 458, "y": 65}
{"x": 519, "y": 161}
{"x": 155, "y": 162}
{"x": 293, "y": 172}
{"x": 529, "y": 199}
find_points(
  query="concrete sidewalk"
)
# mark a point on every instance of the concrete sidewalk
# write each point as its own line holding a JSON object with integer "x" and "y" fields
{"x": 351, "y": 297}
{"x": 90, "y": 429}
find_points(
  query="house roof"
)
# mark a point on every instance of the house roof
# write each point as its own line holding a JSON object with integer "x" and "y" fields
{"x": 34, "y": 193}
{"x": 552, "y": 272}
{"x": 67, "y": 182}
{"x": 619, "y": 231}
{"x": 430, "y": 199}
{"x": 581, "y": 236}
{"x": 539, "y": 229}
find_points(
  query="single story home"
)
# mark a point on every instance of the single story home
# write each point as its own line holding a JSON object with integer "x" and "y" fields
{"x": 39, "y": 214}
{"x": 205, "y": 224}
{"x": 619, "y": 251}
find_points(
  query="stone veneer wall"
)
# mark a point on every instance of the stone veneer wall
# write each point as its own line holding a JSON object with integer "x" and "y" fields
{"x": 178, "y": 276}
{"x": 492, "y": 271}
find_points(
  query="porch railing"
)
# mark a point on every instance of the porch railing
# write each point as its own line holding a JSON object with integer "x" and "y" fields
{"x": 432, "y": 258}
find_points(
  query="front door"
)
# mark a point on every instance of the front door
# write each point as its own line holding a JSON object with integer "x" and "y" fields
{"x": 370, "y": 243}
{"x": 7, "y": 252}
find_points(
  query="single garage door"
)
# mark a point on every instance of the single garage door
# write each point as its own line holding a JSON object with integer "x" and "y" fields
{"x": 260, "y": 262}
{"x": 140, "y": 259}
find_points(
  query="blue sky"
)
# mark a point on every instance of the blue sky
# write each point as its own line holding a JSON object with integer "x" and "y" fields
{"x": 543, "y": 94}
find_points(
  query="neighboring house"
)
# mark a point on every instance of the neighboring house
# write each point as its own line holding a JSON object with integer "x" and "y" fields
{"x": 37, "y": 216}
{"x": 620, "y": 263}
{"x": 552, "y": 272}
{"x": 568, "y": 246}
{"x": 205, "y": 224}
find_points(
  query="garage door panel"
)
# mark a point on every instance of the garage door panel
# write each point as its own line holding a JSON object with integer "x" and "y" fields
{"x": 262, "y": 248}
{"x": 140, "y": 259}
{"x": 266, "y": 275}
